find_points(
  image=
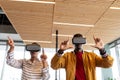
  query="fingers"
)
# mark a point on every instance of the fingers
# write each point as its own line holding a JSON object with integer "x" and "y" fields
{"x": 43, "y": 56}
{"x": 65, "y": 45}
{"x": 10, "y": 39}
{"x": 43, "y": 51}
{"x": 96, "y": 39}
{"x": 65, "y": 42}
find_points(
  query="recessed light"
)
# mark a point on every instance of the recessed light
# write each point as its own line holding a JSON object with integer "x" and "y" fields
{"x": 36, "y": 1}
{"x": 115, "y": 8}
{"x": 37, "y": 41}
{"x": 71, "y": 24}
{"x": 62, "y": 35}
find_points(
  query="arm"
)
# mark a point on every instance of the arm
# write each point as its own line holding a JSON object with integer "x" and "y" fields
{"x": 10, "y": 56}
{"x": 58, "y": 61}
{"x": 45, "y": 71}
{"x": 104, "y": 61}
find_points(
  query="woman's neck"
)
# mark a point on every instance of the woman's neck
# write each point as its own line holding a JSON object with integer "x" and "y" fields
{"x": 33, "y": 59}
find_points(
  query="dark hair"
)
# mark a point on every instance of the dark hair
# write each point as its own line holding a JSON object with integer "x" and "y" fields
{"x": 35, "y": 43}
{"x": 78, "y": 35}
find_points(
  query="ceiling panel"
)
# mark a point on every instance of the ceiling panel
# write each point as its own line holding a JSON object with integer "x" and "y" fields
{"x": 80, "y": 11}
{"x": 32, "y": 21}
{"x": 108, "y": 27}
{"x": 46, "y": 0}
{"x": 106, "y": 35}
{"x": 70, "y": 30}
{"x": 35, "y": 21}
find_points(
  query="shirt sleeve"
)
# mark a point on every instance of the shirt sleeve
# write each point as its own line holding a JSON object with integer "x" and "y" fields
{"x": 104, "y": 62}
{"x": 58, "y": 61}
{"x": 46, "y": 74}
{"x": 13, "y": 62}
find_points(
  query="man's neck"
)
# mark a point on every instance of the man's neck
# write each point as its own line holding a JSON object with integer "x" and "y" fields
{"x": 78, "y": 50}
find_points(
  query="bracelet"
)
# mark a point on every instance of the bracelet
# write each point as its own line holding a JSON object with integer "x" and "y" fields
{"x": 102, "y": 51}
{"x": 105, "y": 55}
{"x": 60, "y": 51}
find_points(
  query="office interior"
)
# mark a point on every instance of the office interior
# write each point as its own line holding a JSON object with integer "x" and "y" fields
{"x": 27, "y": 21}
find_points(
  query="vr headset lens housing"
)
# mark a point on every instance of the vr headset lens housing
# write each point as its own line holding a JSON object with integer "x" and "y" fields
{"x": 33, "y": 47}
{"x": 79, "y": 40}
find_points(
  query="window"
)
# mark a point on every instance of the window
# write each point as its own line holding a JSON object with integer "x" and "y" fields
{"x": 115, "y": 65}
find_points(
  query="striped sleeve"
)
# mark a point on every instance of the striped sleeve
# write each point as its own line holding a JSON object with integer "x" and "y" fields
{"x": 13, "y": 62}
{"x": 46, "y": 74}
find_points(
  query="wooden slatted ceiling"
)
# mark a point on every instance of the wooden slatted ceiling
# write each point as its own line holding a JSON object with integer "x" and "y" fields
{"x": 79, "y": 11}
{"x": 70, "y": 30}
{"x": 34, "y": 21}
{"x": 108, "y": 27}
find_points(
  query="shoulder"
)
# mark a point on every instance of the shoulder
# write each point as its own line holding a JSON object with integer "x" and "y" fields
{"x": 89, "y": 53}
{"x": 68, "y": 54}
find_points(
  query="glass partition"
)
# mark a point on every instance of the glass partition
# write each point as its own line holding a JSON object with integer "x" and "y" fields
{"x": 10, "y": 73}
{"x": 115, "y": 69}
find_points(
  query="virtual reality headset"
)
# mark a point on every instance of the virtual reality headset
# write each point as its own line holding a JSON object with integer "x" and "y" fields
{"x": 32, "y": 47}
{"x": 79, "y": 40}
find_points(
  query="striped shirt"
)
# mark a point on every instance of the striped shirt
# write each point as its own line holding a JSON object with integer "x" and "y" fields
{"x": 30, "y": 70}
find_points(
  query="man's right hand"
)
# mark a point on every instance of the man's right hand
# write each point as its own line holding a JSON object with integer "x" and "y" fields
{"x": 65, "y": 45}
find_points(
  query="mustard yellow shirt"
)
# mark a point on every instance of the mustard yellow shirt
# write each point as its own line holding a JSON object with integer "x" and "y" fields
{"x": 90, "y": 62}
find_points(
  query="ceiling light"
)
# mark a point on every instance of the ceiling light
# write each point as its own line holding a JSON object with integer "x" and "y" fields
{"x": 36, "y": 1}
{"x": 62, "y": 35}
{"x": 115, "y": 8}
{"x": 70, "y": 24}
{"x": 37, "y": 41}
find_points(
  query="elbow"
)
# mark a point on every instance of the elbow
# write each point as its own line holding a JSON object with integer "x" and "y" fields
{"x": 54, "y": 67}
{"x": 110, "y": 64}
{"x": 7, "y": 62}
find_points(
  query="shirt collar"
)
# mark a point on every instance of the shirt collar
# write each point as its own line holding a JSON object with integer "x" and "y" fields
{"x": 29, "y": 61}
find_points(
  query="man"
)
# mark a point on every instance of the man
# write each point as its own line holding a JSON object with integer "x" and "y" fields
{"x": 79, "y": 64}
{"x": 32, "y": 69}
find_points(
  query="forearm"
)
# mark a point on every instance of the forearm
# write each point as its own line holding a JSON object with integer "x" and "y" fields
{"x": 46, "y": 74}
{"x": 107, "y": 61}
{"x": 13, "y": 62}
{"x": 58, "y": 61}
{"x": 55, "y": 62}
{"x": 11, "y": 49}
{"x": 10, "y": 54}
